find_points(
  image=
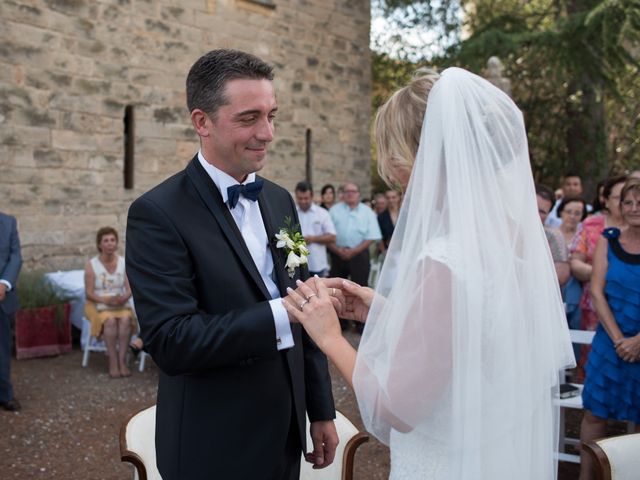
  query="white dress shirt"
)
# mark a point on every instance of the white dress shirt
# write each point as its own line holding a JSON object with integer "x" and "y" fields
{"x": 249, "y": 220}
{"x": 316, "y": 221}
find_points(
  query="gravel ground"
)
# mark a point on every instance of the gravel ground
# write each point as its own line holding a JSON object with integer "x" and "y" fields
{"x": 70, "y": 421}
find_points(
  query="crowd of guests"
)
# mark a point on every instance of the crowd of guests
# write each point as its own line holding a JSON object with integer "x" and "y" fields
{"x": 595, "y": 249}
{"x": 596, "y": 252}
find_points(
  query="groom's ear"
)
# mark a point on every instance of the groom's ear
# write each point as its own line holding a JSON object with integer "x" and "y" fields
{"x": 200, "y": 121}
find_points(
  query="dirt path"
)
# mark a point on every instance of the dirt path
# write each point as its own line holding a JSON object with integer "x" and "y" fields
{"x": 68, "y": 427}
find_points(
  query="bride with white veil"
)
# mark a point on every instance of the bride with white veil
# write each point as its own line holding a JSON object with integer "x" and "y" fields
{"x": 465, "y": 334}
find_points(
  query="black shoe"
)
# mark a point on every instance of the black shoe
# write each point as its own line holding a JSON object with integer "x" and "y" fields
{"x": 12, "y": 405}
{"x": 135, "y": 350}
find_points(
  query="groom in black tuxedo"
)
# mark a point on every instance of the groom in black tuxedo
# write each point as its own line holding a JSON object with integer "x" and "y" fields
{"x": 236, "y": 376}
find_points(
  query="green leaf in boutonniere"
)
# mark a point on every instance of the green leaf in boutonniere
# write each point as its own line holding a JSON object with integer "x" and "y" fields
{"x": 295, "y": 248}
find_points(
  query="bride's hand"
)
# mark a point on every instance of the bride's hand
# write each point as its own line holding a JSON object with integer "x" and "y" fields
{"x": 313, "y": 308}
{"x": 355, "y": 300}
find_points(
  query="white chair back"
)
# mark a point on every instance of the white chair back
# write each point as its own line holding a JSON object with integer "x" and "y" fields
{"x": 617, "y": 457}
{"x": 137, "y": 446}
{"x": 137, "y": 443}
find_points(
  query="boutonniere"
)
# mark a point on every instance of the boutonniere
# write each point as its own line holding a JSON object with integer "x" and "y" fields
{"x": 295, "y": 248}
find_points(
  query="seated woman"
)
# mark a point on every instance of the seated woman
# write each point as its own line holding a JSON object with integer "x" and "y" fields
{"x": 107, "y": 308}
{"x": 612, "y": 385}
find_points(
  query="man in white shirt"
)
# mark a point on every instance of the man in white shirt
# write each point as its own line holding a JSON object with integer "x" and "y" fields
{"x": 571, "y": 188}
{"x": 317, "y": 229}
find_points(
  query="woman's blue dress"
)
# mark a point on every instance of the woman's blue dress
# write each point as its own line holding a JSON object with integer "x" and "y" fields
{"x": 612, "y": 386}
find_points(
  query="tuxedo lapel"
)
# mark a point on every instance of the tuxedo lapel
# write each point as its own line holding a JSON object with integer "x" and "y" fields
{"x": 276, "y": 253}
{"x": 211, "y": 197}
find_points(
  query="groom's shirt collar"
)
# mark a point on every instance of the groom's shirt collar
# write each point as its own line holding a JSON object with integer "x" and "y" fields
{"x": 221, "y": 179}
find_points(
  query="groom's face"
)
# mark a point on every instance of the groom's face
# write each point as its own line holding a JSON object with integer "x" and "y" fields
{"x": 242, "y": 129}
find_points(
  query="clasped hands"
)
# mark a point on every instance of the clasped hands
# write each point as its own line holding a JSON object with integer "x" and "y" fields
{"x": 319, "y": 302}
{"x": 628, "y": 349}
{"x": 115, "y": 300}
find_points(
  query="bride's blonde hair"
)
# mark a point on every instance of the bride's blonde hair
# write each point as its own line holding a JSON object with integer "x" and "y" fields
{"x": 399, "y": 122}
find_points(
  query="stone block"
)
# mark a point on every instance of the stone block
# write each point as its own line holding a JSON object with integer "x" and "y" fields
{"x": 72, "y": 140}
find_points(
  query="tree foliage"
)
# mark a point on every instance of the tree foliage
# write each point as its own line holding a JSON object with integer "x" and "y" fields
{"x": 573, "y": 65}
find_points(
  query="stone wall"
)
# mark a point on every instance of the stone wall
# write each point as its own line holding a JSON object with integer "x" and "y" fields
{"x": 68, "y": 69}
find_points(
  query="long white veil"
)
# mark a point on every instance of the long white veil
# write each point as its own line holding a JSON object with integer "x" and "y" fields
{"x": 464, "y": 342}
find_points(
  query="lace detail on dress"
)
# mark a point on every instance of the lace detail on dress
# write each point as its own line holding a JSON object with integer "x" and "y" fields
{"x": 417, "y": 457}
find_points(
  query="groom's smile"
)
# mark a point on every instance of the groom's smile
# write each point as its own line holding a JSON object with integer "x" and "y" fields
{"x": 236, "y": 137}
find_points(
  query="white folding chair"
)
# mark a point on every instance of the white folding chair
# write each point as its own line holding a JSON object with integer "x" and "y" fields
{"x": 616, "y": 458}
{"x": 137, "y": 446}
{"x": 93, "y": 344}
{"x": 581, "y": 337}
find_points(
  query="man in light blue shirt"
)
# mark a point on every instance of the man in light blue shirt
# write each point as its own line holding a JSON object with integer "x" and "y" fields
{"x": 356, "y": 228}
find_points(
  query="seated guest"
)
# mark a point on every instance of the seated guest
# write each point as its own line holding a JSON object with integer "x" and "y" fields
{"x": 316, "y": 227}
{"x": 387, "y": 219}
{"x": 612, "y": 384}
{"x": 544, "y": 196}
{"x": 108, "y": 293}
{"x": 328, "y": 196}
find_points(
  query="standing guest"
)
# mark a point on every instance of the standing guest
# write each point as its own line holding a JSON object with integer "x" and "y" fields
{"x": 108, "y": 292}
{"x": 612, "y": 385}
{"x": 237, "y": 379}
{"x": 327, "y": 196}
{"x": 10, "y": 263}
{"x": 572, "y": 211}
{"x": 379, "y": 203}
{"x": 571, "y": 187}
{"x": 339, "y": 195}
{"x": 387, "y": 219}
{"x": 598, "y": 201}
{"x": 583, "y": 249}
{"x": 544, "y": 197}
{"x": 317, "y": 229}
{"x": 356, "y": 228}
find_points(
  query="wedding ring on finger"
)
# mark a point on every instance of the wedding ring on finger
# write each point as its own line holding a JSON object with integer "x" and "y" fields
{"x": 333, "y": 292}
{"x": 309, "y": 296}
{"x": 303, "y": 304}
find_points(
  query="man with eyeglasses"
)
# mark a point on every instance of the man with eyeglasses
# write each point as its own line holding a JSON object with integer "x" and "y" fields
{"x": 356, "y": 228}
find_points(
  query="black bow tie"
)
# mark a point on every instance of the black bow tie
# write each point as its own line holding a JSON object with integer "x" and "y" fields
{"x": 249, "y": 191}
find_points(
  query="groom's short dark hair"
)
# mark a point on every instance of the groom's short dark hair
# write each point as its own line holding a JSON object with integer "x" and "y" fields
{"x": 208, "y": 76}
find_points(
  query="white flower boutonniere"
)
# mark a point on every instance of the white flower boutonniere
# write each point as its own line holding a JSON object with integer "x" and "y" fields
{"x": 291, "y": 239}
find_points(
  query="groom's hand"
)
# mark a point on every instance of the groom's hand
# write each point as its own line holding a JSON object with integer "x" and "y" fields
{"x": 325, "y": 441}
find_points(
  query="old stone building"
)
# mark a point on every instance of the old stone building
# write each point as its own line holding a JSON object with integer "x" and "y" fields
{"x": 92, "y": 103}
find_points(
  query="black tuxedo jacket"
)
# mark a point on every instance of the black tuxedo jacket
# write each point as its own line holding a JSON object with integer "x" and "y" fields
{"x": 226, "y": 395}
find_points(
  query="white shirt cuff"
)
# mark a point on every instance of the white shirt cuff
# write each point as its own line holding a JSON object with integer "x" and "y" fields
{"x": 284, "y": 337}
{"x": 9, "y": 287}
